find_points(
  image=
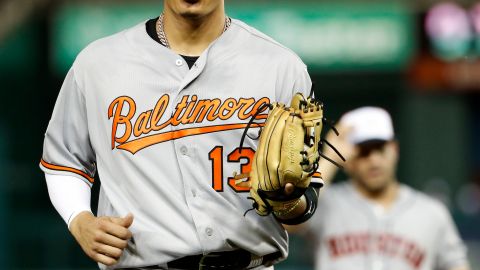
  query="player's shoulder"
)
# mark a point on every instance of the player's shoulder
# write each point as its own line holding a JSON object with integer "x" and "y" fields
{"x": 257, "y": 39}
{"x": 106, "y": 47}
{"x": 105, "y": 54}
{"x": 426, "y": 203}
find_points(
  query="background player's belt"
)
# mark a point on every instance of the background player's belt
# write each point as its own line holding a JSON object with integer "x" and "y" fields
{"x": 231, "y": 260}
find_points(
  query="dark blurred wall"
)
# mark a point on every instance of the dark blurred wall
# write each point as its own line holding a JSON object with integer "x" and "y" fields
{"x": 33, "y": 234}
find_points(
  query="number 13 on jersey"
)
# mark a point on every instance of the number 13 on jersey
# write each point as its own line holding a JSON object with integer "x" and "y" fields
{"x": 216, "y": 157}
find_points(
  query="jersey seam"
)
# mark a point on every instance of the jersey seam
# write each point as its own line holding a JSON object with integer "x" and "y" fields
{"x": 82, "y": 93}
{"x": 269, "y": 39}
{"x": 295, "y": 82}
{"x": 135, "y": 48}
{"x": 59, "y": 168}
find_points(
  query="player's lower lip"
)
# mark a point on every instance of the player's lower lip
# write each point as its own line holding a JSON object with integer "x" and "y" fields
{"x": 375, "y": 173}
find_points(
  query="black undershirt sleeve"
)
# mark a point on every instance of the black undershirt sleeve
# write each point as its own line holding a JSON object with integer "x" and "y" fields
{"x": 150, "y": 26}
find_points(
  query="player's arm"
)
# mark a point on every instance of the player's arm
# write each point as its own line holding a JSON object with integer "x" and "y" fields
{"x": 101, "y": 238}
{"x": 68, "y": 160}
{"x": 451, "y": 253}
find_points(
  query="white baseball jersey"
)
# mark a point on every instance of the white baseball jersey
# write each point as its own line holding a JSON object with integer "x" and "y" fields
{"x": 416, "y": 233}
{"x": 164, "y": 138}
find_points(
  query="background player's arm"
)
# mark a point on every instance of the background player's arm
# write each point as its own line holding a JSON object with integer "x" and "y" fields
{"x": 451, "y": 252}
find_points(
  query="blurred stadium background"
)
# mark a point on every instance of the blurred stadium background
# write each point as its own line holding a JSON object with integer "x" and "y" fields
{"x": 418, "y": 59}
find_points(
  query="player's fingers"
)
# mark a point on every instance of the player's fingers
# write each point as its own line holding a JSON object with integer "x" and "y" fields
{"x": 111, "y": 240}
{"x": 109, "y": 251}
{"x": 118, "y": 231}
{"x": 101, "y": 258}
{"x": 124, "y": 222}
{"x": 289, "y": 188}
{"x": 127, "y": 220}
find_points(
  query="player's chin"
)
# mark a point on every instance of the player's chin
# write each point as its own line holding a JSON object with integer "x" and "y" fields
{"x": 376, "y": 186}
{"x": 192, "y": 15}
{"x": 191, "y": 9}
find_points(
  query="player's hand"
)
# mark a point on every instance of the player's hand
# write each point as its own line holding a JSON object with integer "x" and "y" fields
{"x": 102, "y": 238}
{"x": 301, "y": 206}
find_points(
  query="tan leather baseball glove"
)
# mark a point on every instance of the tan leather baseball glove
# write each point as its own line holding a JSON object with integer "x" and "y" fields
{"x": 287, "y": 152}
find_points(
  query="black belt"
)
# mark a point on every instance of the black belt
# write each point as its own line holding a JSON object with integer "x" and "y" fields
{"x": 231, "y": 260}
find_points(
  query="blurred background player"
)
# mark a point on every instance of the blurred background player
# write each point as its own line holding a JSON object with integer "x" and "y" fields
{"x": 373, "y": 221}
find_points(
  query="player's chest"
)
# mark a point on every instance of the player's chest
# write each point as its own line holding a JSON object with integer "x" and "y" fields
{"x": 129, "y": 111}
{"x": 222, "y": 94}
{"x": 208, "y": 76}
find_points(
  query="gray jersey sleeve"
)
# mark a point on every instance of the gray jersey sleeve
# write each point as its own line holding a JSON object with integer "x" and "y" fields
{"x": 303, "y": 83}
{"x": 451, "y": 251}
{"x": 299, "y": 81}
{"x": 67, "y": 149}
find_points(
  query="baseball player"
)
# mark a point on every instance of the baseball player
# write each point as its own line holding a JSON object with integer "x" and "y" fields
{"x": 372, "y": 221}
{"x": 157, "y": 111}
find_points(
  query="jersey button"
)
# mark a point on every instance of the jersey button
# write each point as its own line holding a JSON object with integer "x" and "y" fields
{"x": 209, "y": 231}
{"x": 194, "y": 193}
{"x": 183, "y": 150}
{"x": 179, "y": 62}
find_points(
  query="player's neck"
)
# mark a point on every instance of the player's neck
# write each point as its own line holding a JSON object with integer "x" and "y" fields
{"x": 191, "y": 36}
{"x": 385, "y": 197}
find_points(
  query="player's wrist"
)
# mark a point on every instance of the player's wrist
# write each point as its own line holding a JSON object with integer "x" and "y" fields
{"x": 81, "y": 217}
{"x": 76, "y": 213}
{"x": 291, "y": 209}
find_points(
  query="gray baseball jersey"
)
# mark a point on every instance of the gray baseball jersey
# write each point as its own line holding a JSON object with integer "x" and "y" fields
{"x": 416, "y": 233}
{"x": 164, "y": 138}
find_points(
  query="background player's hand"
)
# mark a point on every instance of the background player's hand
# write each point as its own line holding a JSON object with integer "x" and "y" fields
{"x": 102, "y": 238}
{"x": 343, "y": 145}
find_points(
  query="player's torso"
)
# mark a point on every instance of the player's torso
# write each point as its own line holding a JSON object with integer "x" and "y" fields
{"x": 167, "y": 140}
{"x": 353, "y": 236}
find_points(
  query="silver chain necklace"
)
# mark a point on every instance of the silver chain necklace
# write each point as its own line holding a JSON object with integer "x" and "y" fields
{"x": 163, "y": 37}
